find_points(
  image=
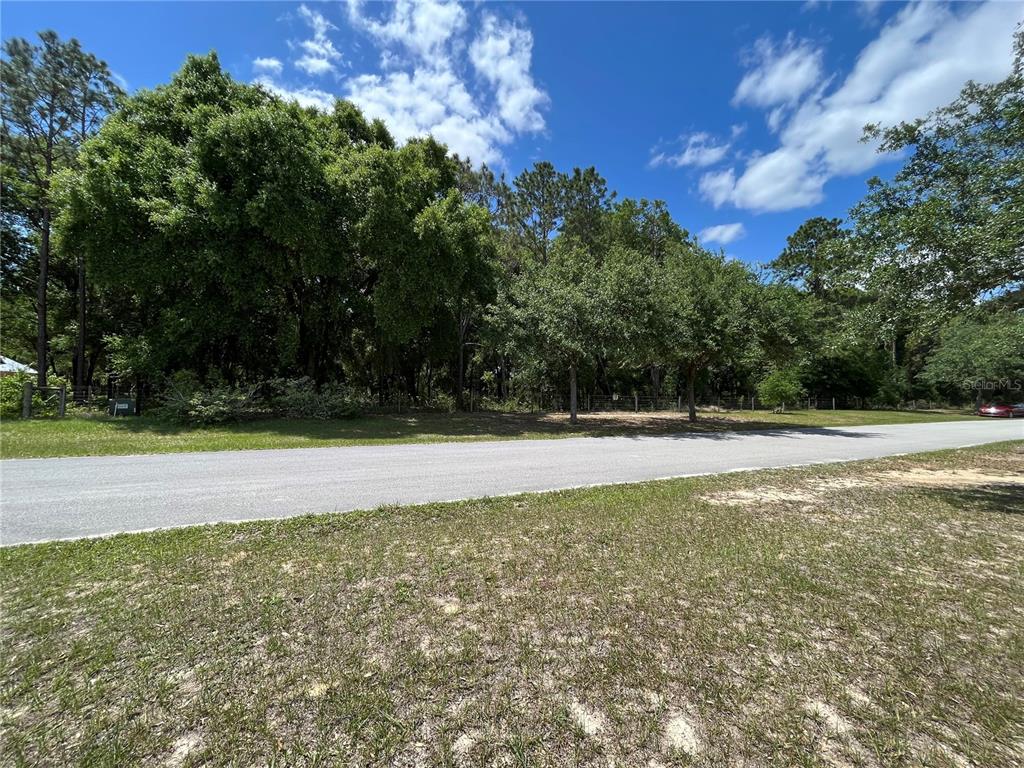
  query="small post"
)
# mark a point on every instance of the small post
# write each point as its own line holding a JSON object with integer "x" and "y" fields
{"x": 679, "y": 403}
{"x": 636, "y": 402}
{"x": 752, "y": 399}
{"x": 26, "y": 400}
{"x": 62, "y": 402}
{"x": 833, "y": 403}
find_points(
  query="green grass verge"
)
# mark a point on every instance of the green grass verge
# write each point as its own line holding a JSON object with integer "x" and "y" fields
{"x": 860, "y": 614}
{"x": 80, "y": 436}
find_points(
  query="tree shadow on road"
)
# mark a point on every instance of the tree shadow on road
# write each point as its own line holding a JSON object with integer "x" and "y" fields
{"x": 483, "y": 425}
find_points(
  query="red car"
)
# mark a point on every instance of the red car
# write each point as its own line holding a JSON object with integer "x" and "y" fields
{"x": 1001, "y": 411}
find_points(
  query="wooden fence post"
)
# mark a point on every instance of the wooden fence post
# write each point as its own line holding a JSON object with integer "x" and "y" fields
{"x": 636, "y": 403}
{"x": 26, "y": 400}
{"x": 62, "y": 402}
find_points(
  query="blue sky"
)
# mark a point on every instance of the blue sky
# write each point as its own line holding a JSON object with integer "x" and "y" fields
{"x": 744, "y": 117}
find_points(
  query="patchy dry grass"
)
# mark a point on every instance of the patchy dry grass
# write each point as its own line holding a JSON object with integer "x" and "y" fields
{"x": 104, "y": 436}
{"x": 867, "y": 614}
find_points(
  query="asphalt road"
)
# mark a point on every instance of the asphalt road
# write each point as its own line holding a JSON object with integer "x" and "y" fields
{"x": 43, "y": 499}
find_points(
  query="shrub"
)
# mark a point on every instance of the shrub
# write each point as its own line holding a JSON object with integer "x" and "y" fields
{"x": 779, "y": 387}
{"x": 185, "y": 400}
{"x": 891, "y": 392}
{"x": 442, "y": 401}
{"x": 301, "y": 399}
{"x": 11, "y": 394}
{"x": 11, "y": 388}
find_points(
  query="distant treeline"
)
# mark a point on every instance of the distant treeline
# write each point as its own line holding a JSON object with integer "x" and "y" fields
{"x": 207, "y": 228}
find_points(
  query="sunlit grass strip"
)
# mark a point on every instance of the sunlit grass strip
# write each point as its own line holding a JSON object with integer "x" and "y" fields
{"x": 106, "y": 436}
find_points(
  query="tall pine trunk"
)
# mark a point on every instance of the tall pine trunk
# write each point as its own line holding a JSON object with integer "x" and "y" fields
{"x": 460, "y": 403}
{"x": 80, "y": 373}
{"x": 460, "y": 383}
{"x": 572, "y": 394}
{"x": 44, "y": 265}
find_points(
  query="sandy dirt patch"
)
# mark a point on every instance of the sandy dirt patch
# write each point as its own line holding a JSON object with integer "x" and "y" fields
{"x": 182, "y": 748}
{"x": 681, "y": 733}
{"x": 950, "y": 477}
{"x": 814, "y": 492}
{"x": 590, "y": 721}
{"x": 763, "y": 496}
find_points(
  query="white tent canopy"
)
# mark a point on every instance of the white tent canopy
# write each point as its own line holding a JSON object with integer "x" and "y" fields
{"x": 7, "y": 365}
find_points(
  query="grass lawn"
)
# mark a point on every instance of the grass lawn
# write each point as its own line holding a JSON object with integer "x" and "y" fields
{"x": 867, "y": 614}
{"x": 80, "y": 436}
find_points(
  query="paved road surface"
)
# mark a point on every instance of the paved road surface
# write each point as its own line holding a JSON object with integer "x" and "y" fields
{"x": 76, "y": 497}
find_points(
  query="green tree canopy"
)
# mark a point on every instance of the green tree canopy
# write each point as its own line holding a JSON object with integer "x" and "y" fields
{"x": 948, "y": 230}
{"x": 53, "y": 96}
{"x": 255, "y": 234}
{"x": 978, "y": 353}
{"x": 709, "y": 309}
{"x": 806, "y": 257}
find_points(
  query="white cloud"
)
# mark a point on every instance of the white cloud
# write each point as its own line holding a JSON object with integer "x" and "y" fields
{"x": 425, "y": 49}
{"x": 306, "y": 96}
{"x": 717, "y": 186}
{"x": 501, "y": 53}
{"x": 919, "y": 61}
{"x": 424, "y": 29}
{"x": 868, "y": 9}
{"x": 267, "y": 65}
{"x": 429, "y": 53}
{"x": 430, "y": 101}
{"x": 782, "y": 73}
{"x": 121, "y": 81}
{"x": 698, "y": 149}
{"x": 723, "y": 233}
{"x": 319, "y": 56}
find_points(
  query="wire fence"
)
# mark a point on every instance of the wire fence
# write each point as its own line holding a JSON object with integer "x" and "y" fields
{"x": 58, "y": 401}
{"x": 118, "y": 400}
{"x": 637, "y": 403}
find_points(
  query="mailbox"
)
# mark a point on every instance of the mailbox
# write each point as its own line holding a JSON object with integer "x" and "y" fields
{"x": 122, "y": 406}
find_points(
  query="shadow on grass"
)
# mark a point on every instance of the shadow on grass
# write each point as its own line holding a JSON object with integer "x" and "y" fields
{"x": 483, "y": 425}
{"x": 1005, "y": 498}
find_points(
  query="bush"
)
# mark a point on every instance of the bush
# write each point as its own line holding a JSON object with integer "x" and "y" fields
{"x": 441, "y": 401}
{"x": 781, "y": 386}
{"x": 12, "y": 387}
{"x": 301, "y": 399}
{"x": 11, "y": 394}
{"x": 186, "y": 401}
{"x": 891, "y": 392}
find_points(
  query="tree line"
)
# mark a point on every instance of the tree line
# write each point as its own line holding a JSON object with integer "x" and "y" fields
{"x": 209, "y": 227}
